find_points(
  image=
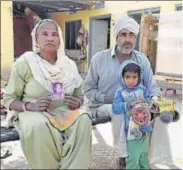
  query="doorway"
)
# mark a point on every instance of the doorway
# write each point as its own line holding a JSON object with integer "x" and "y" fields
{"x": 23, "y": 23}
{"x": 99, "y": 35}
{"x": 148, "y": 22}
{"x": 137, "y": 15}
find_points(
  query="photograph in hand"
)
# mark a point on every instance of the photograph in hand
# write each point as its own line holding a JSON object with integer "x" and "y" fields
{"x": 57, "y": 91}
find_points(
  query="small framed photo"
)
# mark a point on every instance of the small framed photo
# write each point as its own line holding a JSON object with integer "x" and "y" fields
{"x": 57, "y": 91}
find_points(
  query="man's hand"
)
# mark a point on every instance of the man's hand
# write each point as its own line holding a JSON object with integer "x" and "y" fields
{"x": 72, "y": 102}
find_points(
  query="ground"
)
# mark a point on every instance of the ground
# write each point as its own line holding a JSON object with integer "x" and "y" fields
{"x": 103, "y": 155}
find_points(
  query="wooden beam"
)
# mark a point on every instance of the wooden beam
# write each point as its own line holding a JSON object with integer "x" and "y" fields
{"x": 55, "y": 6}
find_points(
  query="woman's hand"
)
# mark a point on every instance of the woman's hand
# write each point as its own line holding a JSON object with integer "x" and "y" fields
{"x": 42, "y": 104}
{"x": 72, "y": 102}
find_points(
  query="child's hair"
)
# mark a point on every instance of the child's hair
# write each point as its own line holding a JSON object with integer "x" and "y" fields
{"x": 132, "y": 67}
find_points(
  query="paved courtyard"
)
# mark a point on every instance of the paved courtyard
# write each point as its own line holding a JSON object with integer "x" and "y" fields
{"x": 104, "y": 156}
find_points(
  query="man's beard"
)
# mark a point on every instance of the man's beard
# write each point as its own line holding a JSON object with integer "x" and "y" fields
{"x": 125, "y": 49}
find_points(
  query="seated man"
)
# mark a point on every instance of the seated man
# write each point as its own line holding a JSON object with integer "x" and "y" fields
{"x": 103, "y": 78}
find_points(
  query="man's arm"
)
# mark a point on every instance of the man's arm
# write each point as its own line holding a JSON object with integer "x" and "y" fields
{"x": 90, "y": 84}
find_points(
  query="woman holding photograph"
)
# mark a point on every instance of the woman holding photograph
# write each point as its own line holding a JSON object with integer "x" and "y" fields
{"x": 60, "y": 138}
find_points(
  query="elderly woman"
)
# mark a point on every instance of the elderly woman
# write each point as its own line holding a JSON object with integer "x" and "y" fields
{"x": 54, "y": 134}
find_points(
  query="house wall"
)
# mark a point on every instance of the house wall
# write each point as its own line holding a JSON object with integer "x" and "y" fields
{"x": 115, "y": 8}
{"x": 7, "y": 47}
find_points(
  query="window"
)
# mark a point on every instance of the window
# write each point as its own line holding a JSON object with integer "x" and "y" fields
{"x": 71, "y": 32}
{"x": 178, "y": 7}
{"x": 137, "y": 16}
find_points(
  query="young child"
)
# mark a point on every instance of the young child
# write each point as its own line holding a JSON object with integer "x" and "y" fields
{"x": 130, "y": 91}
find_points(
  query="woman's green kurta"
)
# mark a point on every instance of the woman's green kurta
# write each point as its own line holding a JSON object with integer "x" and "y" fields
{"x": 42, "y": 144}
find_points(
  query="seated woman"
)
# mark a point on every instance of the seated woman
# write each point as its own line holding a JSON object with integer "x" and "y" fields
{"x": 54, "y": 134}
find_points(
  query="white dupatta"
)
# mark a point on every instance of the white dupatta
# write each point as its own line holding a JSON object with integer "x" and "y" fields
{"x": 64, "y": 70}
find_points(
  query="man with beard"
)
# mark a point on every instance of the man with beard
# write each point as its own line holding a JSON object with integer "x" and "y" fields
{"x": 103, "y": 79}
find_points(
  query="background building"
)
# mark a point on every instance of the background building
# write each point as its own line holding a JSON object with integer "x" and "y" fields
{"x": 98, "y": 20}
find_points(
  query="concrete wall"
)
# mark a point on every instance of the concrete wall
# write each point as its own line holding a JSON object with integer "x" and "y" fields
{"x": 7, "y": 47}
